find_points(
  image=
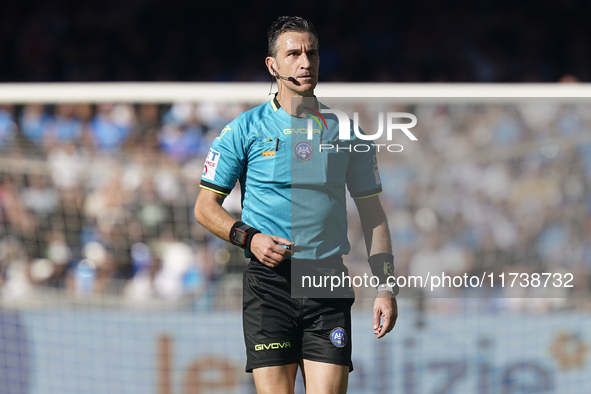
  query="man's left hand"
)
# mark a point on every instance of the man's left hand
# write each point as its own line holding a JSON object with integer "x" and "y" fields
{"x": 385, "y": 307}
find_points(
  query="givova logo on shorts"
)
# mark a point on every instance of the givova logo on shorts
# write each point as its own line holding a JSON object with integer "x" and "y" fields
{"x": 272, "y": 346}
{"x": 338, "y": 337}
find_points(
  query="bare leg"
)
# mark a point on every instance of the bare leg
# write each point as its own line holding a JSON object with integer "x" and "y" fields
{"x": 324, "y": 378}
{"x": 275, "y": 380}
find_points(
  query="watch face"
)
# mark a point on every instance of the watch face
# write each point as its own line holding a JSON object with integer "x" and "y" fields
{"x": 391, "y": 289}
{"x": 239, "y": 236}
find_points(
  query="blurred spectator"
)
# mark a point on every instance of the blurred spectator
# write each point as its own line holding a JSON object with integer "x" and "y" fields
{"x": 67, "y": 165}
{"x": 148, "y": 118}
{"x": 15, "y": 280}
{"x": 141, "y": 286}
{"x": 181, "y": 144}
{"x": 17, "y": 220}
{"x": 41, "y": 271}
{"x": 38, "y": 196}
{"x": 149, "y": 210}
{"x": 439, "y": 255}
{"x": 179, "y": 275}
{"x": 95, "y": 274}
{"x": 7, "y": 127}
{"x": 59, "y": 255}
{"x": 111, "y": 125}
{"x": 33, "y": 122}
{"x": 64, "y": 126}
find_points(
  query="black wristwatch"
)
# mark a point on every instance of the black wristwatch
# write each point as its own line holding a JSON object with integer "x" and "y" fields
{"x": 241, "y": 234}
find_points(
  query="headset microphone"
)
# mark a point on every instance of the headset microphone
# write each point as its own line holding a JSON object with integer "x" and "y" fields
{"x": 290, "y": 79}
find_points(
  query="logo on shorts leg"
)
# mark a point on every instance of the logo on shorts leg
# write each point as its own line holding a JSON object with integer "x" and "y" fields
{"x": 338, "y": 337}
{"x": 272, "y": 346}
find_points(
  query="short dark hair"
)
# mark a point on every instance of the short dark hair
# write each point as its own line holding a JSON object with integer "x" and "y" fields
{"x": 284, "y": 24}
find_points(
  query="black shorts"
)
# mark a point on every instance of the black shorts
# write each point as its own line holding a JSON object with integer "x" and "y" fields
{"x": 281, "y": 330}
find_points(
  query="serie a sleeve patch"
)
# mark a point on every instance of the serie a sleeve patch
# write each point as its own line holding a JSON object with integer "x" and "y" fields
{"x": 211, "y": 163}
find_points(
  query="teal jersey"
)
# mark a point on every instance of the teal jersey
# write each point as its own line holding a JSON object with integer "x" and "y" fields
{"x": 290, "y": 188}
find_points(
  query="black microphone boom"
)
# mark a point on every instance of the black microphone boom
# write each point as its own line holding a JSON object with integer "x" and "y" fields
{"x": 290, "y": 79}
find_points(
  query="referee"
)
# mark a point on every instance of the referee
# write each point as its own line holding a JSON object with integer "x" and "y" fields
{"x": 294, "y": 216}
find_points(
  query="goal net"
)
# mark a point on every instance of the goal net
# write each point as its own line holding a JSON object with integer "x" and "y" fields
{"x": 109, "y": 285}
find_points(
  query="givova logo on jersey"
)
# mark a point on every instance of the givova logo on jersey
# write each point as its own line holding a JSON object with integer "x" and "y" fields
{"x": 211, "y": 163}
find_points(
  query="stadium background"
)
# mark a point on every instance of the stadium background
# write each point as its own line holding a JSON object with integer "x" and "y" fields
{"x": 109, "y": 285}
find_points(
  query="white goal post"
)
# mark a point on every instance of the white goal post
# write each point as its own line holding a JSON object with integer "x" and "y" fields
{"x": 490, "y": 168}
{"x": 257, "y": 92}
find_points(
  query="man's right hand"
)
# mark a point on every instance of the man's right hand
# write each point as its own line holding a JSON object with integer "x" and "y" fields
{"x": 267, "y": 249}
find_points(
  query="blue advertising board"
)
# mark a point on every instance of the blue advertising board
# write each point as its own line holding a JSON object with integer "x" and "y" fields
{"x": 122, "y": 351}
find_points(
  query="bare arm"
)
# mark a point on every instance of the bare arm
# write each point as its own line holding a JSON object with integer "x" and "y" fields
{"x": 374, "y": 225}
{"x": 377, "y": 240}
{"x": 210, "y": 213}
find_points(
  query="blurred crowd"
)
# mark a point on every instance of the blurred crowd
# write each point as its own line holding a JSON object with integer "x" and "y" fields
{"x": 369, "y": 41}
{"x": 98, "y": 199}
{"x": 492, "y": 189}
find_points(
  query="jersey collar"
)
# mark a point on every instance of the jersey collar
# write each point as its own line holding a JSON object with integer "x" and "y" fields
{"x": 275, "y": 103}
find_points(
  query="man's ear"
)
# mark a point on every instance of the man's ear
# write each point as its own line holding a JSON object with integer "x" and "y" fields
{"x": 271, "y": 65}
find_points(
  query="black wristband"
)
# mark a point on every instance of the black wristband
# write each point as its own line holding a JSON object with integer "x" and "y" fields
{"x": 382, "y": 266}
{"x": 241, "y": 235}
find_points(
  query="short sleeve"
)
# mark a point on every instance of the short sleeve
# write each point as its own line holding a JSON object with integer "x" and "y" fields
{"x": 225, "y": 160}
{"x": 363, "y": 177}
